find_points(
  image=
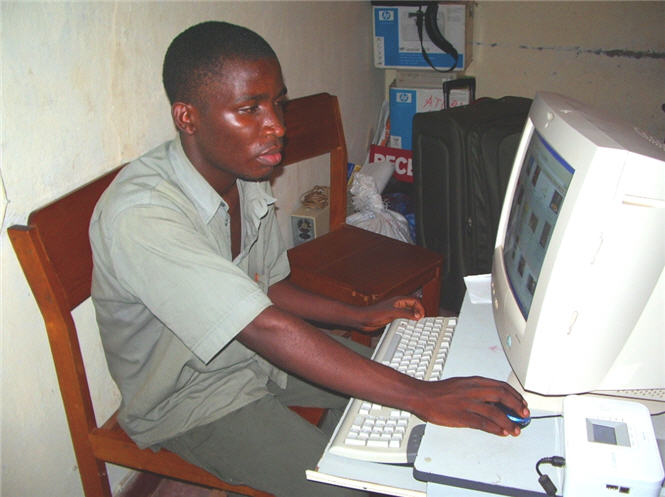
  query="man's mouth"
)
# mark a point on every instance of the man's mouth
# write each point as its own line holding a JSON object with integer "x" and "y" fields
{"x": 271, "y": 157}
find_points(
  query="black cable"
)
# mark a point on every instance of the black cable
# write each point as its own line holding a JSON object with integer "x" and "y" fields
{"x": 421, "y": 18}
{"x": 561, "y": 415}
{"x": 543, "y": 479}
{"x": 547, "y": 416}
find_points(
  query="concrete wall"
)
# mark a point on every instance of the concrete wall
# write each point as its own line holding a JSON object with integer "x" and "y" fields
{"x": 81, "y": 93}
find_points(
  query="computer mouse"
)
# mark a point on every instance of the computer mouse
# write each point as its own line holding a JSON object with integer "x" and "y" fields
{"x": 513, "y": 416}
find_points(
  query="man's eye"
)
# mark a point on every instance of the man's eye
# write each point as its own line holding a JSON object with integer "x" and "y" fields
{"x": 281, "y": 103}
{"x": 250, "y": 109}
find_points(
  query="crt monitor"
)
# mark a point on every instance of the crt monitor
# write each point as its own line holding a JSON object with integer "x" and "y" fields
{"x": 578, "y": 286}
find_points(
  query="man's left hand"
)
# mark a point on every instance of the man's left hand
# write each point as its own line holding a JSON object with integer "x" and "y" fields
{"x": 375, "y": 316}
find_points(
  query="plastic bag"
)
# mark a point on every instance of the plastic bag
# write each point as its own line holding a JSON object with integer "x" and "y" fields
{"x": 372, "y": 214}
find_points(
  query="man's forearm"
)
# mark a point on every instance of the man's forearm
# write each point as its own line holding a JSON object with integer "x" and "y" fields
{"x": 295, "y": 346}
{"x": 307, "y": 305}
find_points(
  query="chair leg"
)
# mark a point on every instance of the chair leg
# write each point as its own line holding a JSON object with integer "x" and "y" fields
{"x": 94, "y": 478}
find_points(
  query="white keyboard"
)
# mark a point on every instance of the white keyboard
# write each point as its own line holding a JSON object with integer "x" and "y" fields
{"x": 372, "y": 432}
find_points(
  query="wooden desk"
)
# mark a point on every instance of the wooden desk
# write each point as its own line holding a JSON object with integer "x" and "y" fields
{"x": 351, "y": 267}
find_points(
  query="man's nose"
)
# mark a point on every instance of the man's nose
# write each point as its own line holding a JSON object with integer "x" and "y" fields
{"x": 274, "y": 122}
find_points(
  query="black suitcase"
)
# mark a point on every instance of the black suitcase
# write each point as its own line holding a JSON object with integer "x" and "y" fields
{"x": 462, "y": 158}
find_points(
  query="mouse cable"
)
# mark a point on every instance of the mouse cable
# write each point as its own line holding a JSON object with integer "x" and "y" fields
{"x": 543, "y": 479}
{"x": 547, "y": 416}
{"x": 561, "y": 415}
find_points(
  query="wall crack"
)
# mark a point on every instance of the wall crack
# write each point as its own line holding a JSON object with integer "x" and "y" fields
{"x": 615, "y": 52}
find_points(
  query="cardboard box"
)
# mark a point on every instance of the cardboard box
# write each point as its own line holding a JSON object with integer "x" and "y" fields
{"x": 397, "y": 44}
{"x": 308, "y": 223}
{"x": 405, "y": 100}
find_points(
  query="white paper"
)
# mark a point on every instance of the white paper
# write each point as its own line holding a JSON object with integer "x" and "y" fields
{"x": 478, "y": 288}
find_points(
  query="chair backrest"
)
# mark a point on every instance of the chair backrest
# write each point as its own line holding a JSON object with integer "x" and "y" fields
{"x": 61, "y": 229}
{"x": 54, "y": 252}
{"x": 313, "y": 128}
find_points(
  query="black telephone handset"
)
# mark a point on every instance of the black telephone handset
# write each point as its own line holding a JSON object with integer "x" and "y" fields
{"x": 428, "y": 19}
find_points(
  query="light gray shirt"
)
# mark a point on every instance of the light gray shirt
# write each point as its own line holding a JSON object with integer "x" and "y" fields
{"x": 170, "y": 300}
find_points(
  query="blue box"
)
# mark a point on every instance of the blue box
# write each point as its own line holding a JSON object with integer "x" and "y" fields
{"x": 396, "y": 41}
{"x": 405, "y": 102}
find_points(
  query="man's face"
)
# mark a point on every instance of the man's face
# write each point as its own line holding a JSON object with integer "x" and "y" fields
{"x": 239, "y": 129}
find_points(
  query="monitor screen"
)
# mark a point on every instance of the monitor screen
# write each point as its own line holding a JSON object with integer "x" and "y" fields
{"x": 541, "y": 189}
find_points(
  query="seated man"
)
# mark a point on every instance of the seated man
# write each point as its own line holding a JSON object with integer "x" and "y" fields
{"x": 203, "y": 332}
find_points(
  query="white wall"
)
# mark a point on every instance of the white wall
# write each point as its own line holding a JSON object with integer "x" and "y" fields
{"x": 607, "y": 54}
{"x": 81, "y": 94}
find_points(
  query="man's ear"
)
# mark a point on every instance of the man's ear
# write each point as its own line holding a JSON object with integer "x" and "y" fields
{"x": 184, "y": 117}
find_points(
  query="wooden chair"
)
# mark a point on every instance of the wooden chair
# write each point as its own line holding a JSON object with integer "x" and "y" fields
{"x": 349, "y": 263}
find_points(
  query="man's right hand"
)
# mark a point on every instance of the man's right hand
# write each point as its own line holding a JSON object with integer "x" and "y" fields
{"x": 470, "y": 403}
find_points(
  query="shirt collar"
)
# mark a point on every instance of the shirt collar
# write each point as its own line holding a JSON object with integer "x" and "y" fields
{"x": 254, "y": 195}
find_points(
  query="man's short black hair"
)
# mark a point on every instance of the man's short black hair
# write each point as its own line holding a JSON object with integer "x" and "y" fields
{"x": 197, "y": 55}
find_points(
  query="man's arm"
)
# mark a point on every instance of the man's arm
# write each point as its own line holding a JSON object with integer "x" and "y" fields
{"x": 295, "y": 346}
{"x": 307, "y": 305}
